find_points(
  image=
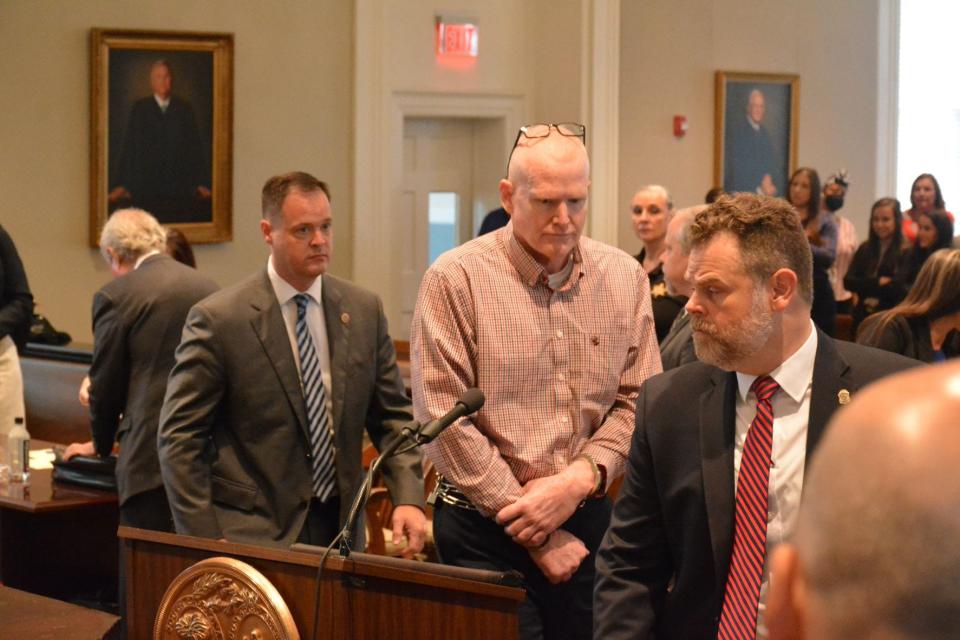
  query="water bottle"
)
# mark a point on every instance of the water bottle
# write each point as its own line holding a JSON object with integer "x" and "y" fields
{"x": 18, "y": 448}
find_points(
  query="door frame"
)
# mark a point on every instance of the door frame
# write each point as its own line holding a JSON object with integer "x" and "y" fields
{"x": 378, "y": 170}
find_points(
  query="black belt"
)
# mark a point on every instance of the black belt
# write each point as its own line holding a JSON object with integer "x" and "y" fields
{"x": 451, "y": 495}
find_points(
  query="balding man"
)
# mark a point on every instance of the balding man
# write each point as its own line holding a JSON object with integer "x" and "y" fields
{"x": 676, "y": 348}
{"x": 718, "y": 456}
{"x": 556, "y": 329}
{"x": 877, "y": 549}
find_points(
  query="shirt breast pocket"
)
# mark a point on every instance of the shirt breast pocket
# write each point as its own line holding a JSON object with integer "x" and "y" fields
{"x": 604, "y": 353}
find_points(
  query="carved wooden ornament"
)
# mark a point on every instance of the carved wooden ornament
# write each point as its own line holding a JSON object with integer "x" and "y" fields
{"x": 223, "y": 599}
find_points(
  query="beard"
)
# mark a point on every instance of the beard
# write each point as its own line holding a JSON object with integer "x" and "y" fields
{"x": 724, "y": 347}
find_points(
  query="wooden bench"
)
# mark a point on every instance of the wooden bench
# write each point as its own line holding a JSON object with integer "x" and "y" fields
{"x": 51, "y": 381}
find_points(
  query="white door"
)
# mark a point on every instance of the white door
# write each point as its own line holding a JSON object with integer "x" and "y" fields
{"x": 449, "y": 179}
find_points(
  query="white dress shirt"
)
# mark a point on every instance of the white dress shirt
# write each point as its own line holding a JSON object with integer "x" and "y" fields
{"x": 163, "y": 103}
{"x": 316, "y": 323}
{"x": 791, "y": 413}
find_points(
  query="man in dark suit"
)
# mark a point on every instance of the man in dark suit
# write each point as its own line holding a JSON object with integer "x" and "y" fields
{"x": 684, "y": 556}
{"x": 676, "y": 348}
{"x": 163, "y": 165}
{"x": 137, "y": 321}
{"x": 276, "y": 378}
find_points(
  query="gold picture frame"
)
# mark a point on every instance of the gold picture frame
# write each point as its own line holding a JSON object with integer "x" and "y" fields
{"x": 750, "y": 155}
{"x": 170, "y": 153}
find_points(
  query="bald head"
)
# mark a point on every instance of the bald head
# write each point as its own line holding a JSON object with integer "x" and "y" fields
{"x": 545, "y": 192}
{"x": 877, "y": 550}
{"x": 537, "y": 155}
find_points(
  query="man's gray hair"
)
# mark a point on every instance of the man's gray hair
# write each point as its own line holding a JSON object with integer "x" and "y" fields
{"x": 684, "y": 217}
{"x": 131, "y": 233}
{"x": 659, "y": 189}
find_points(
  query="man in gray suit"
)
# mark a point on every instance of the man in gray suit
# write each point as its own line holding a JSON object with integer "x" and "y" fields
{"x": 273, "y": 377}
{"x": 676, "y": 348}
{"x": 137, "y": 321}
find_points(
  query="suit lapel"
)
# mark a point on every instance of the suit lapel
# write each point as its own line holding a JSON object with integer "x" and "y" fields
{"x": 717, "y": 430}
{"x": 338, "y": 333}
{"x": 831, "y": 375}
{"x": 267, "y": 323}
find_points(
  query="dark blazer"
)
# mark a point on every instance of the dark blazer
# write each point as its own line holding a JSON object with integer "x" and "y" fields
{"x": 677, "y": 347}
{"x": 233, "y": 437}
{"x": 16, "y": 302}
{"x": 908, "y": 337}
{"x": 673, "y": 522}
{"x": 137, "y": 322}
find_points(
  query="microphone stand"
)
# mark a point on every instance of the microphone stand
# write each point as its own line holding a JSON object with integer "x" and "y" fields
{"x": 360, "y": 499}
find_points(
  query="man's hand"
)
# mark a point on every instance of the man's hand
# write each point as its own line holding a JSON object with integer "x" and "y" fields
{"x": 117, "y": 195}
{"x": 84, "y": 394}
{"x": 408, "y": 519}
{"x": 547, "y": 503}
{"x": 560, "y": 557}
{"x": 767, "y": 186}
{"x": 79, "y": 449}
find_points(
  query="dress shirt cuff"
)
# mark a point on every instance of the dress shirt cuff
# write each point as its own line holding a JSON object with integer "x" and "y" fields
{"x": 612, "y": 462}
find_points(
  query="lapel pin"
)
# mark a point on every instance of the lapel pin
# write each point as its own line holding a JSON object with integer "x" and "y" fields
{"x": 345, "y": 318}
{"x": 843, "y": 397}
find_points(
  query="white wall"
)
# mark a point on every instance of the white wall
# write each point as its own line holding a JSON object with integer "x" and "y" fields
{"x": 670, "y": 51}
{"x": 293, "y": 110}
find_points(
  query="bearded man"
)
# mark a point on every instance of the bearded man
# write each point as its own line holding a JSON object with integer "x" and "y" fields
{"x": 717, "y": 459}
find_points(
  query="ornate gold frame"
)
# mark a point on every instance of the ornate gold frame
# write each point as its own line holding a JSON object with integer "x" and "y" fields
{"x": 725, "y": 77}
{"x": 102, "y": 42}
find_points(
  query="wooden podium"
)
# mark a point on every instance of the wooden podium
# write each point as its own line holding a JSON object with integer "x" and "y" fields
{"x": 363, "y": 596}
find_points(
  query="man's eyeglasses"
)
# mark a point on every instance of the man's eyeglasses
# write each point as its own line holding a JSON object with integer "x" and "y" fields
{"x": 542, "y": 130}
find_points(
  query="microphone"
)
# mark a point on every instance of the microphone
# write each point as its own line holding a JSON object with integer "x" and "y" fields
{"x": 469, "y": 402}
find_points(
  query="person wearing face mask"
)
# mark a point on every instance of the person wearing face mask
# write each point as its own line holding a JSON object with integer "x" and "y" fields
{"x": 934, "y": 231}
{"x": 652, "y": 208}
{"x": 925, "y": 196}
{"x": 873, "y": 272}
{"x": 847, "y": 241}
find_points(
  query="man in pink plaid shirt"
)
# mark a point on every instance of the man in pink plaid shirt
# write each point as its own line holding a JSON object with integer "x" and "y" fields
{"x": 556, "y": 330}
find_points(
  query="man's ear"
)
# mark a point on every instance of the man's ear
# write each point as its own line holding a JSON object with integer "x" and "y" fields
{"x": 784, "y": 285}
{"x": 787, "y": 601}
{"x": 506, "y": 195}
{"x": 266, "y": 228}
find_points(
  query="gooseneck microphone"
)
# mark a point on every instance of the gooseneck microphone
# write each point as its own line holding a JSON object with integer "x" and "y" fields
{"x": 469, "y": 402}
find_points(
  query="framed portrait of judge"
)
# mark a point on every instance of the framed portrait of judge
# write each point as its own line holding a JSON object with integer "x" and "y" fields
{"x": 755, "y": 148}
{"x": 161, "y": 129}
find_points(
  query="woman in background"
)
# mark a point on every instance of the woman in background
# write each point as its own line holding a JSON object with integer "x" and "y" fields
{"x": 934, "y": 232}
{"x": 834, "y": 193}
{"x": 651, "y": 209}
{"x": 178, "y": 247}
{"x": 873, "y": 273}
{"x": 16, "y": 308}
{"x": 925, "y": 196}
{"x": 926, "y": 325}
{"x": 804, "y": 194}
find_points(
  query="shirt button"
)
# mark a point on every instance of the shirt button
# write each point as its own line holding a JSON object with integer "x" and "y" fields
{"x": 561, "y": 376}
{"x": 559, "y": 333}
{"x": 563, "y": 419}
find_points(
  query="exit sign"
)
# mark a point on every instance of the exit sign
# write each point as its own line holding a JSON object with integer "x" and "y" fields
{"x": 456, "y": 38}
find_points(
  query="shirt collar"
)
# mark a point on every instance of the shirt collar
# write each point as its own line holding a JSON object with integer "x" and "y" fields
{"x": 163, "y": 103}
{"x": 140, "y": 260}
{"x": 285, "y": 291}
{"x": 793, "y": 375}
{"x": 532, "y": 272}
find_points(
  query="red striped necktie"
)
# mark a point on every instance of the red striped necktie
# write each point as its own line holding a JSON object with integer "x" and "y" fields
{"x": 738, "y": 621}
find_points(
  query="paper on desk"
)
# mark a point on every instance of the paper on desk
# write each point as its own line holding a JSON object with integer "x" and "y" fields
{"x": 41, "y": 459}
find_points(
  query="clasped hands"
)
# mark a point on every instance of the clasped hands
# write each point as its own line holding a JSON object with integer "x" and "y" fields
{"x": 546, "y": 503}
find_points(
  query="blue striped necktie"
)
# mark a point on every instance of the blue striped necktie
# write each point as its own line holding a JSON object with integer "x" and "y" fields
{"x": 323, "y": 476}
{"x": 738, "y": 619}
